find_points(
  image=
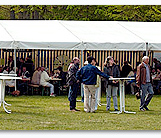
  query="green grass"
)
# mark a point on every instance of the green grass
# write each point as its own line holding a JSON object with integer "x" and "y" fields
{"x": 52, "y": 113}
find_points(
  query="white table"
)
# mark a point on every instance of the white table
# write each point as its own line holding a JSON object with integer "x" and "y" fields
{"x": 2, "y": 91}
{"x": 122, "y": 94}
{"x": 2, "y": 74}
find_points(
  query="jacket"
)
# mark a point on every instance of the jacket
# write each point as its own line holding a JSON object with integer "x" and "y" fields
{"x": 44, "y": 78}
{"x": 71, "y": 75}
{"x": 36, "y": 77}
{"x": 88, "y": 74}
{"x": 116, "y": 73}
{"x": 141, "y": 75}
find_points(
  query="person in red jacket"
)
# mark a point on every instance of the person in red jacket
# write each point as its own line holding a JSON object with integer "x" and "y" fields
{"x": 144, "y": 82}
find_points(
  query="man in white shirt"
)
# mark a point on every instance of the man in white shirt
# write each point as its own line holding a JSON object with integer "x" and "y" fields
{"x": 44, "y": 81}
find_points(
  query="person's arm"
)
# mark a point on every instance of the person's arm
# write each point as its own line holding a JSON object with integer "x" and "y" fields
{"x": 47, "y": 78}
{"x": 138, "y": 76}
{"x": 101, "y": 73}
{"x": 78, "y": 74}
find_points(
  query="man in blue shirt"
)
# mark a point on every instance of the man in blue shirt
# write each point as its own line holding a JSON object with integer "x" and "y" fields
{"x": 88, "y": 76}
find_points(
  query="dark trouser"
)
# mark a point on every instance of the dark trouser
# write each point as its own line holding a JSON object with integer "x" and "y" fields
{"x": 147, "y": 91}
{"x": 73, "y": 95}
{"x": 22, "y": 87}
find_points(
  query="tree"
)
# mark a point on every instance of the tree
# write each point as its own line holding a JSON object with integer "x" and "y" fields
{"x": 85, "y": 12}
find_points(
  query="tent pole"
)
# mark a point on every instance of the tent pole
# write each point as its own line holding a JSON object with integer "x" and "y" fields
{"x": 81, "y": 67}
{"x": 15, "y": 66}
{"x": 146, "y": 48}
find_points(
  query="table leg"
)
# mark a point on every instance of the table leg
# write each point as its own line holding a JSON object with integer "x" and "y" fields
{"x": 3, "y": 95}
{"x": 124, "y": 101}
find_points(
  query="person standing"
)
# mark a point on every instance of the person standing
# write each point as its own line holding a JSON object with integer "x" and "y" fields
{"x": 29, "y": 64}
{"x": 111, "y": 69}
{"x": 144, "y": 82}
{"x": 88, "y": 76}
{"x": 126, "y": 68}
{"x": 73, "y": 83}
{"x": 10, "y": 62}
{"x": 98, "y": 82}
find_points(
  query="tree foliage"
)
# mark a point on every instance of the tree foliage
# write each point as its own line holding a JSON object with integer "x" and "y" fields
{"x": 86, "y": 12}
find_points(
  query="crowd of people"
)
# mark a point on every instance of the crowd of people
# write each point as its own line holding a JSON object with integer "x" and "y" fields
{"x": 40, "y": 76}
{"x": 90, "y": 76}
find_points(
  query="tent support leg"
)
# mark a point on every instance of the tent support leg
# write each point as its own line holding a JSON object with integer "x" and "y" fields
{"x": 15, "y": 66}
{"x": 147, "y": 48}
{"x": 81, "y": 66}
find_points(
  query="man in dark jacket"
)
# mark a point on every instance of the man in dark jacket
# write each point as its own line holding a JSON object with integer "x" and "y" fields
{"x": 88, "y": 76}
{"x": 73, "y": 84}
{"x": 144, "y": 81}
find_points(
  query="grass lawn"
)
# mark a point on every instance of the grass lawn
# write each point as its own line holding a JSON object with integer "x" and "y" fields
{"x": 52, "y": 113}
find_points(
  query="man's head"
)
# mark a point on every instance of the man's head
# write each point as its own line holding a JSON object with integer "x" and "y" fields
{"x": 90, "y": 60}
{"x": 110, "y": 60}
{"x": 38, "y": 68}
{"x": 94, "y": 62}
{"x": 59, "y": 69}
{"x": 76, "y": 60}
{"x": 145, "y": 59}
{"x": 24, "y": 69}
{"x": 42, "y": 68}
{"x": 22, "y": 59}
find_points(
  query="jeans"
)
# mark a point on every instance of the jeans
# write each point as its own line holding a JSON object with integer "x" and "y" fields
{"x": 51, "y": 87}
{"x": 73, "y": 95}
{"x": 146, "y": 94}
{"x": 113, "y": 90}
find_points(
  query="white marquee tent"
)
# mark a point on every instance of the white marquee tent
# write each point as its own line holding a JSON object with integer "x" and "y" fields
{"x": 82, "y": 35}
{"x": 79, "y": 35}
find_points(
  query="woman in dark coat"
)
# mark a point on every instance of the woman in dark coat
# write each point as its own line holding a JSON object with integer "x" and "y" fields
{"x": 111, "y": 69}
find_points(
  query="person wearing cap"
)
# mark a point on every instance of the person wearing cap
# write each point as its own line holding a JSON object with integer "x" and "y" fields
{"x": 88, "y": 76}
{"x": 110, "y": 68}
{"x": 72, "y": 83}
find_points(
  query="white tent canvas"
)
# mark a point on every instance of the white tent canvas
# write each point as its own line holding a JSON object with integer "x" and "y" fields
{"x": 103, "y": 35}
{"x": 150, "y": 32}
{"x": 40, "y": 35}
{"x": 79, "y": 35}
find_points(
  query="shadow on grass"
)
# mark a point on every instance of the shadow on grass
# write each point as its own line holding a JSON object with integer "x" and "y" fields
{"x": 28, "y": 106}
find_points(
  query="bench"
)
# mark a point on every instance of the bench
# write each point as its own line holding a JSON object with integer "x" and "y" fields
{"x": 34, "y": 88}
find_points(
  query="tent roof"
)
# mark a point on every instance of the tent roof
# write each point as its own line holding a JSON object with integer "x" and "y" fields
{"x": 74, "y": 35}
